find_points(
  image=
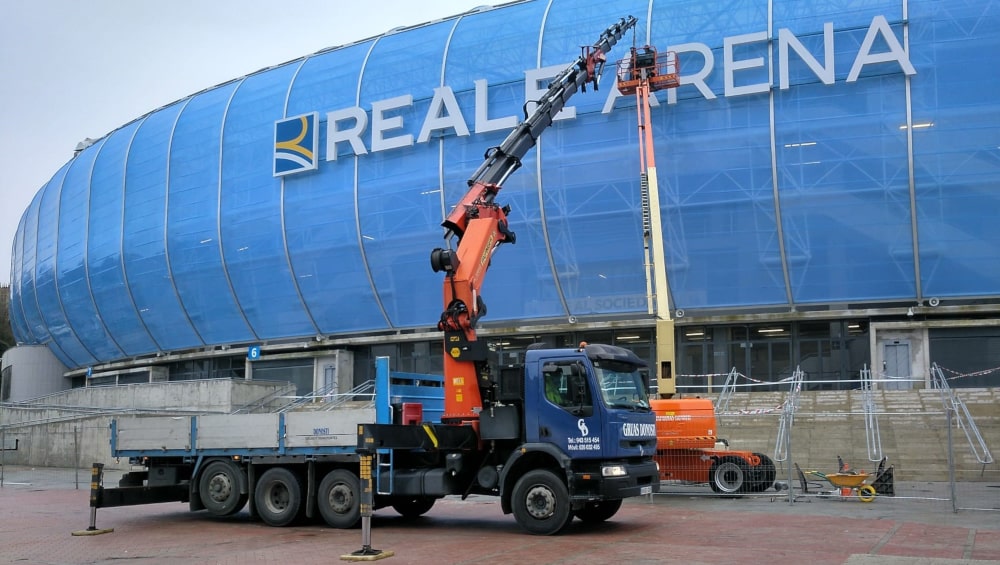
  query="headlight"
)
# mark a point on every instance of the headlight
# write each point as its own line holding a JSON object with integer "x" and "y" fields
{"x": 613, "y": 471}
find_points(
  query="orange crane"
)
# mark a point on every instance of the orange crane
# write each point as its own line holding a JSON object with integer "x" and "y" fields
{"x": 480, "y": 226}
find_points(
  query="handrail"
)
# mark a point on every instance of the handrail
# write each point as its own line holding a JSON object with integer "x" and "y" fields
{"x": 963, "y": 419}
{"x": 873, "y": 437}
{"x": 788, "y": 415}
{"x": 722, "y": 402}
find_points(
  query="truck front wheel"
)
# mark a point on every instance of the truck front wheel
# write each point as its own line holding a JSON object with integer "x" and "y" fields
{"x": 219, "y": 488}
{"x": 541, "y": 503}
{"x": 278, "y": 497}
{"x": 339, "y": 499}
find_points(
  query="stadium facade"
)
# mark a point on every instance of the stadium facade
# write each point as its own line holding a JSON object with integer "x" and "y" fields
{"x": 828, "y": 178}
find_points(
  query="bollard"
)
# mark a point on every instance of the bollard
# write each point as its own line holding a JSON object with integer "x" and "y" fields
{"x": 366, "y": 553}
{"x": 96, "y": 478}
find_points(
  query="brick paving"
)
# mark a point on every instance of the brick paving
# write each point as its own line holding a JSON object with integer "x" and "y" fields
{"x": 36, "y": 522}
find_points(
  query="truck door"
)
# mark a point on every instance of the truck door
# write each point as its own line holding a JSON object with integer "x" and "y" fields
{"x": 567, "y": 415}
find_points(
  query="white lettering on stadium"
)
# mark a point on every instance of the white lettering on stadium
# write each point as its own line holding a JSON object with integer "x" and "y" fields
{"x": 346, "y": 126}
{"x": 630, "y": 429}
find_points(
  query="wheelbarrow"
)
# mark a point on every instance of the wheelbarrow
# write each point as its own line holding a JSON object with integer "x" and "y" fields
{"x": 846, "y": 483}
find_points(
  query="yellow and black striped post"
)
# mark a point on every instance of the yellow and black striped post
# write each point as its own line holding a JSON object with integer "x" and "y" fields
{"x": 366, "y": 553}
{"x": 96, "y": 480}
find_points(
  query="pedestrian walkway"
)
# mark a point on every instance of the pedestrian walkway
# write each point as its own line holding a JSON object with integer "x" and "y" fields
{"x": 39, "y": 508}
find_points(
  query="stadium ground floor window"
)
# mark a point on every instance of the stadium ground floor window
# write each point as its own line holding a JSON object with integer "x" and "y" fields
{"x": 296, "y": 371}
{"x": 831, "y": 355}
{"x": 969, "y": 356}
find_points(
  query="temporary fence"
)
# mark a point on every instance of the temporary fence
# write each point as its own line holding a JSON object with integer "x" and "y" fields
{"x": 875, "y": 442}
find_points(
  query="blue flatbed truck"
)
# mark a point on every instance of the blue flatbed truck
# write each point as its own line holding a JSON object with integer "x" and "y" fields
{"x": 548, "y": 459}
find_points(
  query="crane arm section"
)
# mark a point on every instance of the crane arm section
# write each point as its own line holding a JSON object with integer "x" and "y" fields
{"x": 480, "y": 226}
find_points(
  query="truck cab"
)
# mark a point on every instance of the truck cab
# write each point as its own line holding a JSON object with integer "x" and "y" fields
{"x": 572, "y": 435}
{"x": 590, "y": 402}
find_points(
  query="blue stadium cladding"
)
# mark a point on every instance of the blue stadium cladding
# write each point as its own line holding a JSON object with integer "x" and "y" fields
{"x": 173, "y": 232}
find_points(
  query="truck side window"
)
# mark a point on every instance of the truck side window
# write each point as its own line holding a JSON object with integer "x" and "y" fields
{"x": 565, "y": 384}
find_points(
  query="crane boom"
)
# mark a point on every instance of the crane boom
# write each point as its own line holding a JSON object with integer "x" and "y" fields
{"x": 480, "y": 226}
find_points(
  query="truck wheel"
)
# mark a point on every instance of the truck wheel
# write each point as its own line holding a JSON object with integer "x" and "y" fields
{"x": 598, "y": 511}
{"x": 541, "y": 503}
{"x": 278, "y": 497}
{"x": 413, "y": 507}
{"x": 726, "y": 475}
{"x": 219, "y": 488}
{"x": 339, "y": 499}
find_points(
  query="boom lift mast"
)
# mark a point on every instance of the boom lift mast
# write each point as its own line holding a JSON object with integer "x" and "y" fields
{"x": 480, "y": 226}
{"x": 645, "y": 71}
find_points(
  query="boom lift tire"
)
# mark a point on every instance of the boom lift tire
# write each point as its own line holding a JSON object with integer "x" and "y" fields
{"x": 413, "y": 507}
{"x": 278, "y": 497}
{"x": 597, "y": 511}
{"x": 727, "y": 475}
{"x": 541, "y": 503}
{"x": 219, "y": 488}
{"x": 761, "y": 477}
{"x": 339, "y": 499}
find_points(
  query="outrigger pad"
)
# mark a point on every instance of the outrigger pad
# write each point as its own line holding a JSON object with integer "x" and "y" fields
{"x": 883, "y": 483}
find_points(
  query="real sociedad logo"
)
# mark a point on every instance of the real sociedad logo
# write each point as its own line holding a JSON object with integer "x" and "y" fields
{"x": 296, "y": 141}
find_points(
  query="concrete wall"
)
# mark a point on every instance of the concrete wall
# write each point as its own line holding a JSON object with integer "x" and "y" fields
{"x": 72, "y": 428}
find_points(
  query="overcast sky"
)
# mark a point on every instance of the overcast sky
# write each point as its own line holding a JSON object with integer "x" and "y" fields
{"x": 71, "y": 69}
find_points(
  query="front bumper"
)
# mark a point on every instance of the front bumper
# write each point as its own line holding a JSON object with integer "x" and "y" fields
{"x": 641, "y": 478}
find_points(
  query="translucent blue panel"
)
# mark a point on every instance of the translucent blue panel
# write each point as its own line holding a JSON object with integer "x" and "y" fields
{"x": 104, "y": 248}
{"x": 519, "y": 284}
{"x": 398, "y": 207}
{"x": 71, "y": 266}
{"x": 590, "y": 187}
{"x": 192, "y": 220}
{"x": 682, "y": 21}
{"x": 954, "y": 47}
{"x": 252, "y": 239}
{"x": 17, "y": 318}
{"x": 29, "y": 302}
{"x": 319, "y": 207}
{"x": 844, "y": 190}
{"x": 515, "y": 28}
{"x": 808, "y": 17}
{"x": 146, "y": 268}
{"x": 47, "y": 291}
{"x": 717, "y": 205}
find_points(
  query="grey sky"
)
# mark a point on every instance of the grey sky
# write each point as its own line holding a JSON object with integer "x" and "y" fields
{"x": 71, "y": 70}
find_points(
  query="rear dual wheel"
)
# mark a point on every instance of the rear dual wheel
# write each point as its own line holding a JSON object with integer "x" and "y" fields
{"x": 278, "y": 497}
{"x": 219, "y": 488}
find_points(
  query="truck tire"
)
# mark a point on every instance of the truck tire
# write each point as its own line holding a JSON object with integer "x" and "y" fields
{"x": 278, "y": 497}
{"x": 727, "y": 475}
{"x": 541, "y": 503}
{"x": 339, "y": 499}
{"x": 413, "y": 507}
{"x": 219, "y": 488}
{"x": 598, "y": 511}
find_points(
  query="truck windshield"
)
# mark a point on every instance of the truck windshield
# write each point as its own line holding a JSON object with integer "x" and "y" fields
{"x": 621, "y": 385}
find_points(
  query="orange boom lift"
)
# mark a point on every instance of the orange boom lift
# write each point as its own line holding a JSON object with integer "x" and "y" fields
{"x": 687, "y": 446}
